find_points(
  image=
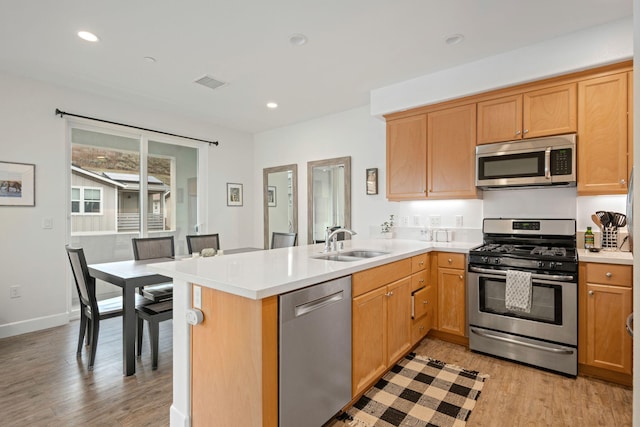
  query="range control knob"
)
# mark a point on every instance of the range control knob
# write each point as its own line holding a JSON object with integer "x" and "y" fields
{"x": 552, "y": 264}
{"x": 485, "y": 259}
{"x": 540, "y": 264}
{"x": 496, "y": 261}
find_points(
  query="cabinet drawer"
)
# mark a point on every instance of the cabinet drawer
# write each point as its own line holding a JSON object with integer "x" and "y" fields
{"x": 368, "y": 280}
{"x": 419, "y": 262}
{"x": 419, "y": 280}
{"x": 609, "y": 274}
{"x": 420, "y": 328}
{"x": 451, "y": 260}
{"x": 423, "y": 302}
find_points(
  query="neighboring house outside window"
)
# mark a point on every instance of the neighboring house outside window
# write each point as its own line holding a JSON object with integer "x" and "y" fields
{"x": 86, "y": 200}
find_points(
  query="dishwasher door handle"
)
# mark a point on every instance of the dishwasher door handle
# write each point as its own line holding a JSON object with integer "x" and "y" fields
{"x": 317, "y": 304}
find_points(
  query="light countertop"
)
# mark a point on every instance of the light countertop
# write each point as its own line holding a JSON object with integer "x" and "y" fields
{"x": 262, "y": 274}
{"x": 606, "y": 257}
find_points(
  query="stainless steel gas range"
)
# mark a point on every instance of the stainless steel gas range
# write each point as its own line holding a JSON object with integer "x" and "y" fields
{"x": 542, "y": 253}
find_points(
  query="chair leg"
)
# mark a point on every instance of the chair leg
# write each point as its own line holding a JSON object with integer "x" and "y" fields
{"x": 83, "y": 329}
{"x": 139, "y": 330}
{"x": 89, "y": 329}
{"x": 154, "y": 333}
{"x": 95, "y": 329}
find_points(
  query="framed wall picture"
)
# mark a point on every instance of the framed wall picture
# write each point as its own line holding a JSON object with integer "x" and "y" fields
{"x": 271, "y": 196}
{"x": 372, "y": 181}
{"x": 234, "y": 194}
{"x": 17, "y": 184}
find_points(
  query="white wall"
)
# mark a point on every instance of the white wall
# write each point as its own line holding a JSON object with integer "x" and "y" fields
{"x": 605, "y": 44}
{"x": 34, "y": 257}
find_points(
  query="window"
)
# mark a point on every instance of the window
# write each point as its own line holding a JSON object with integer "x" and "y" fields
{"x": 86, "y": 200}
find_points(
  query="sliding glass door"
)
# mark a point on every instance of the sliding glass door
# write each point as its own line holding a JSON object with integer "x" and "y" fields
{"x": 125, "y": 185}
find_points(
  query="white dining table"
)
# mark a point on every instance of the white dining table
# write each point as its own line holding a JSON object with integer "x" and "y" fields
{"x": 129, "y": 275}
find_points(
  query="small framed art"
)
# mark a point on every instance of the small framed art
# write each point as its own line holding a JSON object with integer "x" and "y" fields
{"x": 271, "y": 196}
{"x": 234, "y": 194}
{"x": 17, "y": 184}
{"x": 372, "y": 181}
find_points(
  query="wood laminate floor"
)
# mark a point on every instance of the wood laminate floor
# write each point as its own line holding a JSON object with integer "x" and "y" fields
{"x": 517, "y": 395}
{"x": 42, "y": 383}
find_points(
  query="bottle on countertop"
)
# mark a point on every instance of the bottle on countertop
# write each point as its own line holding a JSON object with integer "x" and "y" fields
{"x": 589, "y": 241}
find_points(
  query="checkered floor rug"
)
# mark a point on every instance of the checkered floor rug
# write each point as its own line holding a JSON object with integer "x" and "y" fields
{"x": 418, "y": 391}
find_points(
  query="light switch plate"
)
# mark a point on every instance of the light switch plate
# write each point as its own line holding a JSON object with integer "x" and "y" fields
{"x": 435, "y": 220}
{"x": 47, "y": 223}
{"x": 459, "y": 221}
{"x": 417, "y": 221}
{"x": 197, "y": 297}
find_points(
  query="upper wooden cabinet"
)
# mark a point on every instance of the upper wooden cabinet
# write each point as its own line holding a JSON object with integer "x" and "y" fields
{"x": 451, "y": 136}
{"x": 407, "y": 158}
{"x": 603, "y": 138}
{"x": 536, "y": 113}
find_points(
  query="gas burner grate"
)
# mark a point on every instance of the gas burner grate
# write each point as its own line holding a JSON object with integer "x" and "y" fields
{"x": 545, "y": 251}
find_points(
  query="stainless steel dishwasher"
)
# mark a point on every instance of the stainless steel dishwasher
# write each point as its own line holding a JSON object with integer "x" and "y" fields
{"x": 315, "y": 353}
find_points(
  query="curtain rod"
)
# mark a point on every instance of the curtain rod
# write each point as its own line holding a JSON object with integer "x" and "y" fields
{"x": 62, "y": 113}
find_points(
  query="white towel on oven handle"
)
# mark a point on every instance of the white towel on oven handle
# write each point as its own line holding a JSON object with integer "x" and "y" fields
{"x": 518, "y": 290}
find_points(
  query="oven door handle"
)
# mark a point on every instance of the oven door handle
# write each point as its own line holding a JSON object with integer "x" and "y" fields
{"x": 547, "y": 163}
{"x": 557, "y": 350}
{"x": 533, "y": 276}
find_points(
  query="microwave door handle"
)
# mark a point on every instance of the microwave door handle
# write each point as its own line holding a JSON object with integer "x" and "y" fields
{"x": 547, "y": 163}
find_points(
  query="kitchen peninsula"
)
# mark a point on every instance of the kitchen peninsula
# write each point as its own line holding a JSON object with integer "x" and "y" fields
{"x": 226, "y": 368}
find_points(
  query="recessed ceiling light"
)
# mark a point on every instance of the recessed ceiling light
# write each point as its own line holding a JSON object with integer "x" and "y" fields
{"x": 454, "y": 39}
{"x": 86, "y": 35}
{"x": 272, "y": 105}
{"x": 297, "y": 39}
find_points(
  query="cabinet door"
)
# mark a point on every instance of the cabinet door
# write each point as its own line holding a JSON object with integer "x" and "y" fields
{"x": 451, "y": 136}
{"x": 500, "y": 119}
{"x": 550, "y": 111}
{"x": 602, "y": 130}
{"x": 451, "y": 301}
{"x": 369, "y": 338}
{"x": 407, "y": 158}
{"x": 608, "y": 343}
{"x": 398, "y": 319}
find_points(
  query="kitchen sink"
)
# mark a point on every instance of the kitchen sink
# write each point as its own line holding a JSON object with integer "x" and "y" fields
{"x": 350, "y": 256}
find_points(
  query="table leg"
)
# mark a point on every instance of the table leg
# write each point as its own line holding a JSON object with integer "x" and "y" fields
{"x": 129, "y": 330}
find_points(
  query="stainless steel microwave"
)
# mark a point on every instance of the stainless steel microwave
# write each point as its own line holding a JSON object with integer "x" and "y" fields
{"x": 527, "y": 163}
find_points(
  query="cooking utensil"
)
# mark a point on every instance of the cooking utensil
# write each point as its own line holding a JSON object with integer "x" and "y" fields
{"x": 605, "y": 220}
{"x": 596, "y": 220}
{"x": 619, "y": 220}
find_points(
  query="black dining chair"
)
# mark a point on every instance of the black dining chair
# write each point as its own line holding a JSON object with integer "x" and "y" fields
{"x": 150, "y": 248}
{"x": 283, "y": 240}
{"x": 153, "y": 313}
{"x": 92, "y": 311}
{"x": 196, "y": 243}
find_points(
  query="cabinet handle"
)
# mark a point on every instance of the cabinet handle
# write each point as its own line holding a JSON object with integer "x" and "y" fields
{"x": 421, "y": 280}
{"x": 425, "y": 302}
{"x": 590, "y": 293}
{"x": 421, "y": 263}
{"x": 622, "y": 181}
{"x": 460, "y": 276}
{"x": 526, "y": 131}
{"x": 450, "y": 260}
{"x": 608, "y": 274}
{"x": 517, "y": 132}
{"x": 389, "y": 294}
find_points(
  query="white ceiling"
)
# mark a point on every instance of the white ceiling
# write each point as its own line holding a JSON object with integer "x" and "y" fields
{"x": 354, "y": 46}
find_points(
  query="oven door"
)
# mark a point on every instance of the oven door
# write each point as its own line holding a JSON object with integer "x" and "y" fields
{"x": 553, "y": 316}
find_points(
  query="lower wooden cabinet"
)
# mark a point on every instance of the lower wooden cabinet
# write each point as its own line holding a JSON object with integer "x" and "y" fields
{"x": 606, "y": 299}
{"x": 451, "y": 294}
{"x": 424, "y": 303}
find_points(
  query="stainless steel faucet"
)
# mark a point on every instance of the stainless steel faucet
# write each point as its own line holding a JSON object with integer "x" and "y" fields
{"x": 330, "y": 242}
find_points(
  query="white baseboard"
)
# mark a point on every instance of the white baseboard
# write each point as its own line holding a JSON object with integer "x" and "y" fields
{"x": 37, "y": 324}
{"x": 177, "y": 418}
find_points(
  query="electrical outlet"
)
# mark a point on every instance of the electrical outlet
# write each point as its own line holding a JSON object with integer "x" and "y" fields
{"x": 435, "y": 220}
{"x": 14, "y": 292}
{"x": 459, "y": 221}
{"x": 197, "y": 297}
{"x": 404, "y": 221}
{"x": 416, "y": 221}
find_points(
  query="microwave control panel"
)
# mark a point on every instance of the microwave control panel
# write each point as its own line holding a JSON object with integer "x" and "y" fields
{"x": 561, "y": 162}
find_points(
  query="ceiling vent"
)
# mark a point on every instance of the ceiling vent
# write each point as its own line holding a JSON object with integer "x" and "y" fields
{"x": 210, "y": 82}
